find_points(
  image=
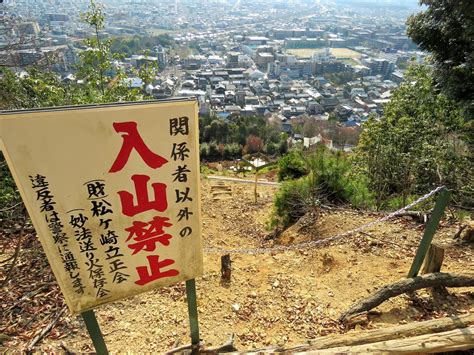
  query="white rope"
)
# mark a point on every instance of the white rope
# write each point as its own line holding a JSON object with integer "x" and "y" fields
{"x": 312, "y": 243}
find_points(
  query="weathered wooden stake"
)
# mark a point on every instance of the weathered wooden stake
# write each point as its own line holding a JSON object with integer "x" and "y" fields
{"x": 94, "y": 332}
{"x": 433, "y": 262}
{"x": 226, "y": 268}
{"x": 430, "y": 230}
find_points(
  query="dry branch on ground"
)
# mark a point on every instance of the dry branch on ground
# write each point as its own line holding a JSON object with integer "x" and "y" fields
{"x": 438, "y": 279}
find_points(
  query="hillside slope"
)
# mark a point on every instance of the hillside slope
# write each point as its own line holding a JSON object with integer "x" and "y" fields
{"x": 275, "y": 298}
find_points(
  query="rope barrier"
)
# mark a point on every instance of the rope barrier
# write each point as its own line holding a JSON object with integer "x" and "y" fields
{"x": 313, "y": 243}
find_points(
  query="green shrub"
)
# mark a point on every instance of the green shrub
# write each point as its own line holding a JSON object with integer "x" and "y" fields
{"x": 292, "y": 201}
{"x": 8, "y": 190}
{"x": 232, "y": 151}
{"x": 332, "y": 172}
{"x": 329, "y": 181}
{"x": 9, "y": 195}
{"x": 204, "y": 150}
{"x": 205, "y": 170}
{"x": 214, "y": 153}
{"x": 271, "y": 148}
{"x": 283, "y": 145}
{"x": 397, "y": 202}
{"x": 292, "y": 166}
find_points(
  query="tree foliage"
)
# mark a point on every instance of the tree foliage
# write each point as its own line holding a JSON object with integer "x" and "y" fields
{"x": 419, "y": 143}
{"x": 446, "y": 29}
{"x": 35, "y": 89}
{"x": 99, "y": 68}
{"x": 240, "y": 135}
{"x": 101, "y": 82}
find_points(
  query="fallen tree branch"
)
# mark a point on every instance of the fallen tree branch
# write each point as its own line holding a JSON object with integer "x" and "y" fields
{"x": 228, "y": 346}
{"x": 182, "y": 348}
{"x": 47, "y": 329}
{"x": 420, "y": 217}
{"x": 66, "y": 349}
{"x": 11, "y": 207}
{"x": 404, "y": 286}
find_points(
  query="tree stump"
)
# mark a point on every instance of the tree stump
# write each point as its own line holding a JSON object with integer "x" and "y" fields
{"x": 226, "y": 268}
{"x": 432, "y": 263}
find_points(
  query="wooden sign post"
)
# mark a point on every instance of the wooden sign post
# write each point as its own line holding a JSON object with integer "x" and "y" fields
{"x": 114, "y": 194}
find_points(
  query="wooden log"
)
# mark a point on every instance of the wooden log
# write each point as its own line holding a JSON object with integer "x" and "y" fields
{"x": 451, "y": 340}
{"x": 217, "y": 193}
{"x": 221, "y": 188}
{"x": 377, "y": 335}
{"x": 407, "y": 285}
{"x": 226, "y": 268}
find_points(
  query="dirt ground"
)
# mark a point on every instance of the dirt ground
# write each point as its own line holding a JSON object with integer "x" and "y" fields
{"x": 279, "y": 298}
